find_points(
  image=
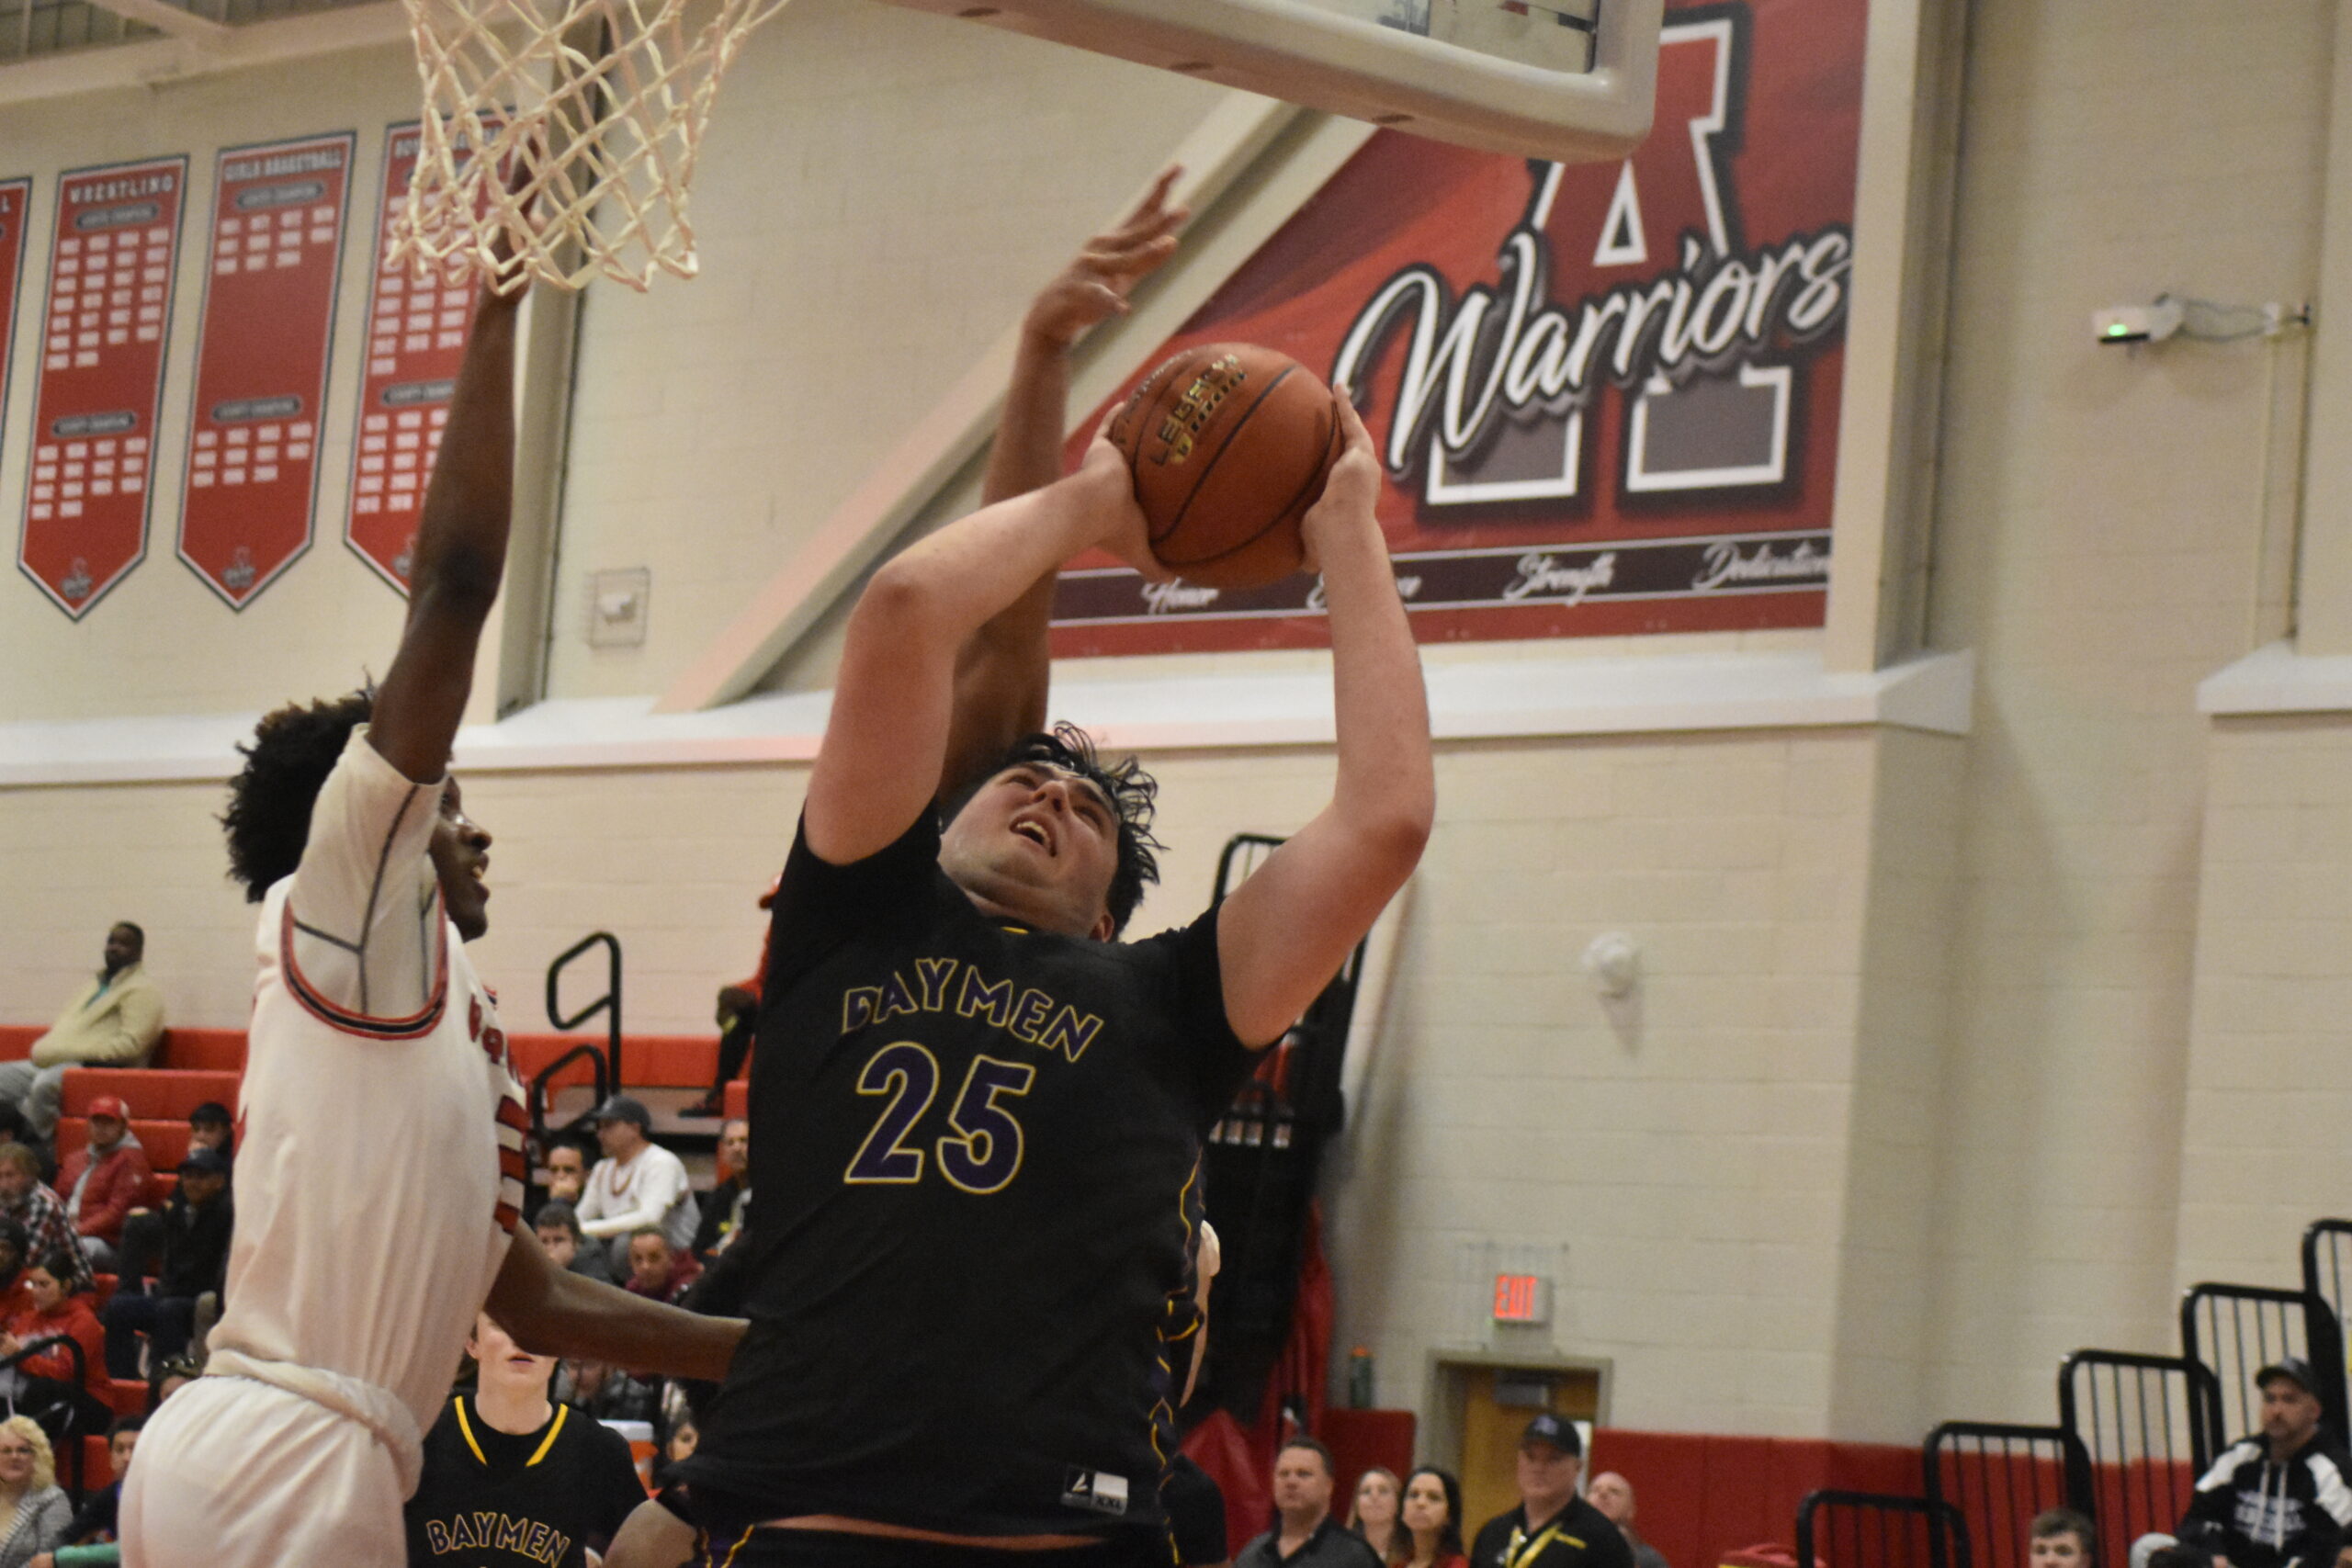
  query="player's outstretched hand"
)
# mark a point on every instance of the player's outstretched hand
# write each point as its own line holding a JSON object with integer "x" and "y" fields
{"x": 1095, "y": 286}
{"x": 1349, "y": 494}
{"x": 1109, "y": 489}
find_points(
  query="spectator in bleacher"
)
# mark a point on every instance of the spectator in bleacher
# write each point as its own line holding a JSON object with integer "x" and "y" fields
{"x": 636, "y": 1183}
{"x": 2278, "y": 1498}
{"x": 605, "y": 1392}
{"x": 2061, "y": 1538}
{"x": 1372, "y": 1514}
{"x": 104, "y": 1180}
{"x": 89, "y": 1539}
{"x": 1613, "y": 1495}
{"x": 13, "y": 1248}
{"x": 34, "y": 1514}
{"x": 67, "y": 1395}
{"x": 558, "y": 1228}
{"x": 567, "y": 1170}
{"x": 1553, "y": 1527}
{"x": 24, "y": 1200}
{"x": 112, "y": 1022}
{"x": 1305, "y": 1534}
{"x": 210, "y": 1127}
{"x": 723, "y": 1207}
{"x": 677, "y": 1449}
{"x": 511, "y": 1477}
{"x": 197, "y": 1226}
{"x": 169, "y": 1377}
{"x": 739, "y": 1018}
{"x": 1431, "y": 1517}
{"x": 657, "y": 1271}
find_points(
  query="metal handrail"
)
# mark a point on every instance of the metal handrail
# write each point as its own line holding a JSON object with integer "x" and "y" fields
{"x": 609, "y": 1004}
{"x": 1947, "y": 1530}
{"x": 1969, "y": 1447}
{"x": 2323, "y": 1346}
{"x": 537, "y": 1098}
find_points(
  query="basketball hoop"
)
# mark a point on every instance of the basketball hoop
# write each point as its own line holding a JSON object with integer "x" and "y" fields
{"x": 606, "y": 100}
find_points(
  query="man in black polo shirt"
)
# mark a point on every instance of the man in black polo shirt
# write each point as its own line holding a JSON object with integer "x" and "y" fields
{"x": 1307, "y": 1536}
{"x": 1553, "y": 1527}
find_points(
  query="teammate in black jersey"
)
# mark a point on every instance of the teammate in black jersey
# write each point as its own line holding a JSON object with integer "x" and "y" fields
{"x": 975, "y": 1115}
{"x": 511, "y": 1480}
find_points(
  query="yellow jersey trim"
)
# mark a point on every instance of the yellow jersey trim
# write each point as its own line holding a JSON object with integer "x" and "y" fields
{"x": 553, "y": 1427}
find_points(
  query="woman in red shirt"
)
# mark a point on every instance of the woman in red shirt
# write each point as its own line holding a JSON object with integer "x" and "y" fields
{"x": 47, "y": 1388}
{"x": 1430, "y": 1524}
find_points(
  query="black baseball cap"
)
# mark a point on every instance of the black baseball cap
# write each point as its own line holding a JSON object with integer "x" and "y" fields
{"x": 2293, "y": 1367}
{"x": 621, "y": 1107}
{"x": 1556, "y": 1430}
{"x": 201, "y": 1159}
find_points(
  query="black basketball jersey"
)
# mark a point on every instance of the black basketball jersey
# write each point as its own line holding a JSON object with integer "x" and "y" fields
{"x": 976, "y": 1151}
{"x": 494, "y": 1500}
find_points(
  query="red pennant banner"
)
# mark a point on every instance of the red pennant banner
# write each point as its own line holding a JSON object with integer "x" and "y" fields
{"x": 251, "y": 483}
{"x": 15, "y": 197}
{"x": 108, "y": 318}
{"x": 417, "y": 326}
{"x": 1605, "y": 395}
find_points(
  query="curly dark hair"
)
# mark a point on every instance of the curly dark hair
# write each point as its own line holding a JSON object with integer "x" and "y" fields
{"x": 293, "y": 750}
{"x": 1131, "y": 791}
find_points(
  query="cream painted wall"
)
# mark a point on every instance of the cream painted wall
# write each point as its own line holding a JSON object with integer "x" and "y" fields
{"x": 2096, "y": 545}
{"x": 162, "y": 642}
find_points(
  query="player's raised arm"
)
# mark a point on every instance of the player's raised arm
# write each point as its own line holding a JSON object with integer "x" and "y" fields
{"x": 1286, "y": 932}
{"x": 460, "y": 555}
{"x": 886, "y": 737}
{"x": 1001, "y": 672}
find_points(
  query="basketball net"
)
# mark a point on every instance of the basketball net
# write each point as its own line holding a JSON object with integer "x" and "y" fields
{"x": 606, "y": 101}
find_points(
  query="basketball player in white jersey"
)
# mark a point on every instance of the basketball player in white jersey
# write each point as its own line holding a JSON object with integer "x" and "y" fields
{"x": 381, "y": 1165}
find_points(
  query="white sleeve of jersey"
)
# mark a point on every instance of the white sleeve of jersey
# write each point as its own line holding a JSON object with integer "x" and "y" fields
{"x": 362, "y": 941}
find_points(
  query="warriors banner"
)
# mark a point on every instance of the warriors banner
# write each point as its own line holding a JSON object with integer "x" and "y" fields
{"x": 1605, "y": 395}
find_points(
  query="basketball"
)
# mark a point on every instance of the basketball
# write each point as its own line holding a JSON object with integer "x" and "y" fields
{"x": 1229, "y": 445}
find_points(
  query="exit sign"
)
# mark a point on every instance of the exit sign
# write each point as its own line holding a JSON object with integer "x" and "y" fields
{"x": 1522, "y": 1298}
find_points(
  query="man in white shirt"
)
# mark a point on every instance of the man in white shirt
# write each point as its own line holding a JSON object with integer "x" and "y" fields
{"x": 638, "y": 1183}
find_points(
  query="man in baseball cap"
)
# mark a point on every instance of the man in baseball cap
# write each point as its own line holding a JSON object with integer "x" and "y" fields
{"x": 1553, "y": 1527}
{"x": 103, "y": 1181}
{"x": 2277, "y": 1498}
{"x": 638, "y": 1183}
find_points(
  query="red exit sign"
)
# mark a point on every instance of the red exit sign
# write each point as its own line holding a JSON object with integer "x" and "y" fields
{"x": 1521, "y": 1298}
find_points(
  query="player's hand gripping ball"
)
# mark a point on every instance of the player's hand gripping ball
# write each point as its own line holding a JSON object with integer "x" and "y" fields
{"x": 1229, "y": 445}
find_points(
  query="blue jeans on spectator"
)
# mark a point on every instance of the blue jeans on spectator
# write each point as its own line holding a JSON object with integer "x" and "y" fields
{"x": 169, "y": 1322}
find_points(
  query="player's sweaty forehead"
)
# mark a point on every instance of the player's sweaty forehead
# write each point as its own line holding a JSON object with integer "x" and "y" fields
{"x": 1042, "y": 770}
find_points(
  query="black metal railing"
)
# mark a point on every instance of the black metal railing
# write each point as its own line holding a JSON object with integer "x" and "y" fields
{"x": 2237, "y": 1331}
{"x": 2000, "y": 1475}
{"x": 609, "y": 1004}
{"x": 2152, "y": 1426}
{"x": 1869, "y": 1530}
{"x": 538, "y": 1097}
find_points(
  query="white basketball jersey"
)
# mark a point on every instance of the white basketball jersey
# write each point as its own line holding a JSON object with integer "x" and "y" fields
{"x": 380, "y": 1162}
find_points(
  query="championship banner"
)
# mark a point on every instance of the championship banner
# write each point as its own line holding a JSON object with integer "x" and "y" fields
{"x": 15, "y": 195}
{"x": 250, "y": 484}
{"x": 107, "y": 319}
{"x": 416, "y": 340}
{"x": 1605, "y": 395}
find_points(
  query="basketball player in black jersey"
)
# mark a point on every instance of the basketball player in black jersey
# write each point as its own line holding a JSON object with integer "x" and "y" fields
{"x": 975, "y": 1116}
{"x": 512, "y": 1480}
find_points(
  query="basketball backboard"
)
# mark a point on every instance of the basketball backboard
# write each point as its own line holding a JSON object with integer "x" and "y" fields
{"x": 1568, "y": 81}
